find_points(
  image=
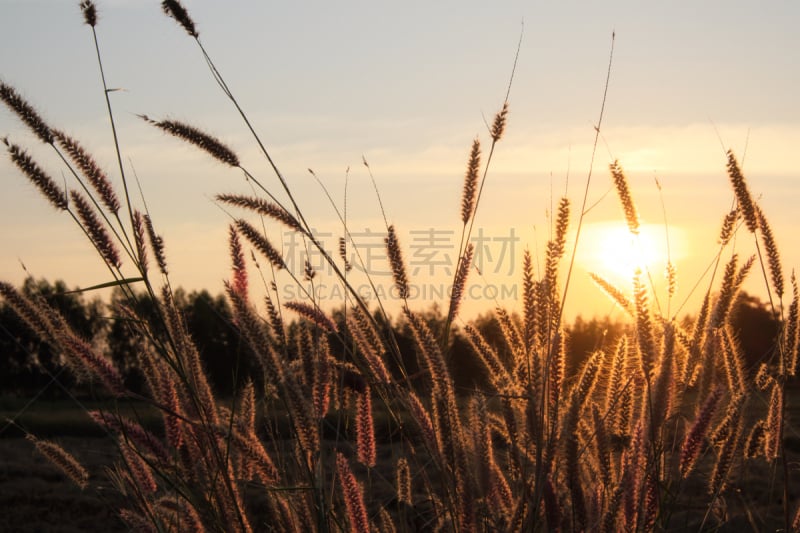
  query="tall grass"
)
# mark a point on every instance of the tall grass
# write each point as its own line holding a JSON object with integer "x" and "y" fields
{"x": 651, "y": 434}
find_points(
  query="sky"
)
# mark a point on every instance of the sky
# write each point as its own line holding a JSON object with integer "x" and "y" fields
{"x": 408, "y": 86}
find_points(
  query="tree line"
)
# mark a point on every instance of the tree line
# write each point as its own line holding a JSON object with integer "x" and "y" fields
{"x": 30, "y": 366}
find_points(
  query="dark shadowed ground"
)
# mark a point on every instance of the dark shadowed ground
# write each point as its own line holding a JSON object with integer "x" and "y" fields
{"x": 36, "y": 497}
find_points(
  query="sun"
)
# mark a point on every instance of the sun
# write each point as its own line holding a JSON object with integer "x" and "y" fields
{"x": 623, "y": 253}
{"x": 612, "y": 251}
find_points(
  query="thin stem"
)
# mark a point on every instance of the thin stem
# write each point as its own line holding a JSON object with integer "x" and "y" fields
{"x": 117, "y": 150}
{"x": 588, "y": 180}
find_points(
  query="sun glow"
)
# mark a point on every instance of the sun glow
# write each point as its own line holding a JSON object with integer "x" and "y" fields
{"x": 612, "y": 251}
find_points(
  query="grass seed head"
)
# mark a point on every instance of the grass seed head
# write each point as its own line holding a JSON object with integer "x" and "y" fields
{"x": 743, "y": 197}
{"x": 25, "y": 112}
{"x": 46, "y": 185}
{"x": 625, "y": 198}
{"x": 470, "y": 190}
{"x": 63, "y": 460}
{"x": 96, "y": 230}
{"x": 397, "y": 264}
{"x": 89, "y": 12}
{"x": 202, "y": 140}
{"x": 89, "y": 167}
{"x": 174, "y": 9}
{"x": 499, "y": 124}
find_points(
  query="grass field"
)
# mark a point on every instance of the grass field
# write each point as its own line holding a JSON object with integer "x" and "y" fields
{"x": 36, "y": 497}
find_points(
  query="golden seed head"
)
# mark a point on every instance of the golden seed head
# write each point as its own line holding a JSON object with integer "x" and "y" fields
{"x": 499, "y": 125}
{"x": 625, "y": 198}
{"x": 471, "y": 182}
{"x": 743, "y": 197}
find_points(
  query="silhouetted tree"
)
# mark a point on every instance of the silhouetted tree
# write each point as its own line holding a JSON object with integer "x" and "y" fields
{"x": 209, "y": 321}
{"x": 587, "y": 336}
{"x": 123, "y": 338}
{"x": 757, "y": 328}
{"x": 29, "y": 364}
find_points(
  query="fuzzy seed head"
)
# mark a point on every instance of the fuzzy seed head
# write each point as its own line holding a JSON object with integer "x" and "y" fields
{"x": 403, "y": 481}
{"x": 348, "y": 266}
{"x": 397, "y": 264}
{"x": 96, "y": 230}
{"x": 614, "y": 293}
{"x": 312, "y": 313}
{"x": 353, "y": 496}
{"x": 460, "y": 282}
{"x": 773, "y": 255}
{"x": 202, "y": 140}
{"x": 262, "y": 207}
{"x": 471, "y": 182}
{"x": 754, "y": 445}
{"x": 308, "y": 271}
{"x": 365, "y": 429}
{"x": 63, "y": 460}
{"x": 239, "y": 267}
{"x": 791, "y": 335}
{"x": 644, "y": 325}
{"x": 260, "y": 243}
{"x": 672, "y": 279}
{"x": 174, "y": 9}
{"x": 43, "y": 181}
{"x": 156, "y": 244}
{"x": 698, "y": 432}
{"x": 499, "y": 125}
{"x": 87, "y": 165}
{"x": 89, "y": 12}
{"x": 25, "y": 112}
{"x": 728, "y": 223}
{"x": 743, "y": 196}
{"x": 625, "y": 198}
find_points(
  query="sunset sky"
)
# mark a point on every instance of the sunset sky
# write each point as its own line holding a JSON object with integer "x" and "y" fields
{"x": 408, "y": 86}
